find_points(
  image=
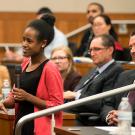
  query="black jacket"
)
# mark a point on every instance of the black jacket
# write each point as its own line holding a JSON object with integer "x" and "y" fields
{"x": 112, "y": 103}
{"x": 103, "y": 82}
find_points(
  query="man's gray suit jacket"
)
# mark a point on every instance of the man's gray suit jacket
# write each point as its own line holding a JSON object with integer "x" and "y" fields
{"x": 112, "y": 103}
{"x": 103, "y": 82}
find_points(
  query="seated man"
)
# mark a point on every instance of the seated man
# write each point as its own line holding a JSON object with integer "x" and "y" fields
{"x": 109, "y": 111}
{"x": 101, "y": 50}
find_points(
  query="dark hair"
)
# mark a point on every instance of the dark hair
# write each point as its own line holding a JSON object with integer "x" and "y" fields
{"x": 101, "y": 8}
{"x": 132, "y": 33}
{"x": 49, "y": 18}
{"x": 107, "y": 41}
{"x": 108, "y": 22}
{"x": 45, "y": 31}
{"x": 44, "y": 10}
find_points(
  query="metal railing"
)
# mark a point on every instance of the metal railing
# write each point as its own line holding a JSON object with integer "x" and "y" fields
{"x": 74, "y": 32}
{"x": 10, "y": 44}
{"x": 70, "y": 105}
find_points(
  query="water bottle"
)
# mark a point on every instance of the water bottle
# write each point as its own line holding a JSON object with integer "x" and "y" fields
{"x": 5, "y": 89}
{"x": 124, "y": 117}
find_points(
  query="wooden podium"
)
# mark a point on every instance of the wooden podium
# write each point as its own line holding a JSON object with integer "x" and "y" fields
{"x": 6, "y": 124}
{"x": 80, "y": 131}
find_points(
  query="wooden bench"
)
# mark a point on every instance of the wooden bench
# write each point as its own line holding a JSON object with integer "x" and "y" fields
{"x": 69, "y": 119}
{"x": 84, "y": 68}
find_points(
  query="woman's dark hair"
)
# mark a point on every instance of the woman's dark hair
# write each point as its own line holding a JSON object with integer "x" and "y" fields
{"x": 132, "y": 33}
{"x": 108, "y": 22}
{"x": 44, "y": 29}
{"x": 49, "y": 18}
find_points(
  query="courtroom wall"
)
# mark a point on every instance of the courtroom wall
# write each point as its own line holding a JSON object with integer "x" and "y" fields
{"x": 122, "y": 6}
{"x": 15, "y": 14}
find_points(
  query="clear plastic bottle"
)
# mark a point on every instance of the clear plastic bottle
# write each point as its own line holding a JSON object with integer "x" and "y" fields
{"x": 5, "y": 89}
{"x": 124, "y": 117}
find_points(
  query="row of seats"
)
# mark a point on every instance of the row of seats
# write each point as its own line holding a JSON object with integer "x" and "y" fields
{"x": 83, "y": 68}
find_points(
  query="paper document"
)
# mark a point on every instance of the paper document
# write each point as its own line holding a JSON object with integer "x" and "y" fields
{"x": 112, "y": 130}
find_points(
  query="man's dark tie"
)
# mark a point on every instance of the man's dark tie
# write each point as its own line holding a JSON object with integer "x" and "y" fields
{"x": 95, "y": 73}
{"x": 90, "y": 79}
{"x": 131, "y": 97}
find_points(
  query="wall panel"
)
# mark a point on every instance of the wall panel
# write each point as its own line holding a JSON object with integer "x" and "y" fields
{"x": 12, "y": 24}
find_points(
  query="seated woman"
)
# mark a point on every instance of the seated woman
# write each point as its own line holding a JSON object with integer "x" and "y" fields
{"x": 102, "y": 25}
{"x": 63, "y": 58}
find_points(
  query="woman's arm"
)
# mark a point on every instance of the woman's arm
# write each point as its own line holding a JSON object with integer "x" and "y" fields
{"x": 21, "y": 95}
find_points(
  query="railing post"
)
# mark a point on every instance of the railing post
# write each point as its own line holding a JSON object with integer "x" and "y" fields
{"x": 52, "y": 124}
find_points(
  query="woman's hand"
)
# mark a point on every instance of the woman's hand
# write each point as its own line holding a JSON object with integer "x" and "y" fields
{"x": 20, "y": 94}
{"x": 2, "y": 107}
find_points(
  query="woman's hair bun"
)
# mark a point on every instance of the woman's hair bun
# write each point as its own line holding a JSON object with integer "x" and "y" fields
{"x": 48, "y": 18}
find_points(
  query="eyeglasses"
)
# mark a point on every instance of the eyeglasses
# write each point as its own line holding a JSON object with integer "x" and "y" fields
{"x": 95, "y": 49}
{"x": 98, "y": 24}
{"x": 59, "y": 58}
{"x": 92, "y": 11}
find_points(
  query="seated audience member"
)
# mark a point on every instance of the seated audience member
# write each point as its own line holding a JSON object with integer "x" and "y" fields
{"x": 102, "y": 25}
{"x": 93, "y": 10}
{"x": 100, "y": 79}
{"x": 109, "y": 111}
{"x": 59, "y": 37}
{"x": 63, "y": 58}
{"x": 4, "y": 75}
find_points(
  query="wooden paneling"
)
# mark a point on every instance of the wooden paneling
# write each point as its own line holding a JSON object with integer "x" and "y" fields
{"x": 6, "y": 124}
{"x": 73, "y": 21}
{"x": 84, "y": 68}
{"x": 69, "y": 119}
{"x": 12, "y": 25}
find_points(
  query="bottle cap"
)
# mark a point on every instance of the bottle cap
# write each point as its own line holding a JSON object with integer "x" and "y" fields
{"x": 6, "y": 83}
